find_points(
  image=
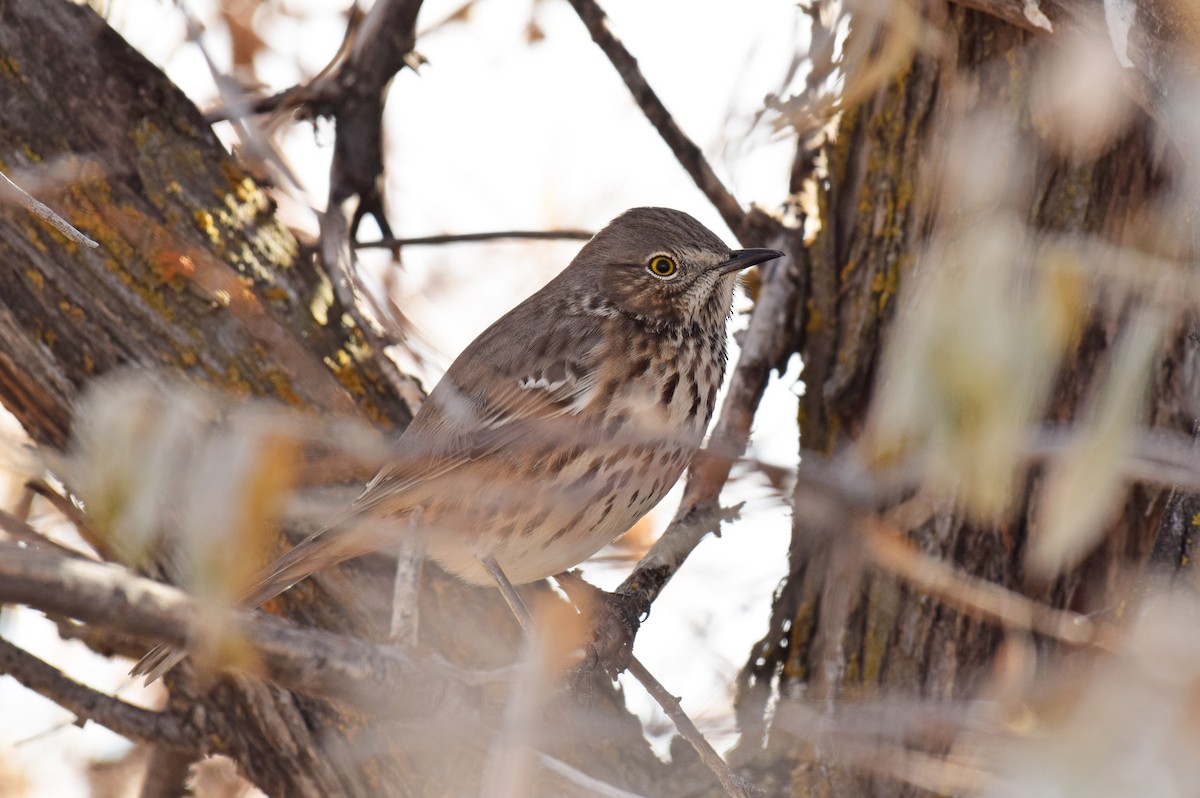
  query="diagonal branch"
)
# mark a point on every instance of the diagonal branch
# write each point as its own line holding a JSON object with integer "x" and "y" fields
{"x": 734, "y": 785}
{"x": 686, "y": 150}
{"x": 88, "y": 704}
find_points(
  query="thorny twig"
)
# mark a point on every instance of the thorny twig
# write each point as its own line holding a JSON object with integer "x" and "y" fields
{"x": 584, "y": 593}
{"x": 734, "y": 785}
{"x": 239, "y": 111}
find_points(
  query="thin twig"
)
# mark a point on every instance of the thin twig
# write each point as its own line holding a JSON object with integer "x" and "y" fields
{"x": 11, "y": 192}
{"x": 337, "y": 255}
{"x": 255, "y": 141}
{"x": 895, "y": 554}
{"x": 68, "y": 510}
{"x": 686, "y": 150}
{"x": 19, "y": 530}
{"x": 577, "y": 778}
{"x": 464, "y": 238}
{"x": 735, "y": 785}
{"x": 87, "y": 704}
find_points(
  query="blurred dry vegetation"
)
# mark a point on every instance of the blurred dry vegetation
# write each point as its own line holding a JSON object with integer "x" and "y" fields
{"x": 991, "y": 282}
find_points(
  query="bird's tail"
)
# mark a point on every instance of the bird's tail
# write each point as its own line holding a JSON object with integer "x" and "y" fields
{"x": 322, "y": 549}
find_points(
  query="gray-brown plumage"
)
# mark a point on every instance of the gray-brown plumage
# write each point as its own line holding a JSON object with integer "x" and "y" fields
{"x": 559, "y": 426}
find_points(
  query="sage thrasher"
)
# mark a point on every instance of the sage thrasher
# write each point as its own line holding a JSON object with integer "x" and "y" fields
{"x": 561, "y": 425}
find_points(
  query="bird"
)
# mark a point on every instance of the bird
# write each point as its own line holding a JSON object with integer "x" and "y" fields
{"x": 558, "y": 427}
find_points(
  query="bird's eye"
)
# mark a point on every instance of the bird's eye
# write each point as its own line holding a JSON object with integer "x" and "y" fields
{"x": 662, "y": 266}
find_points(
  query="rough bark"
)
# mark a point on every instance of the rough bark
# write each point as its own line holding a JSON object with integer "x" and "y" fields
{"x": 838, "y": 632}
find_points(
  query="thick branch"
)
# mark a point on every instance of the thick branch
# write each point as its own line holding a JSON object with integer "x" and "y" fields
{"x": 311, "y": 661}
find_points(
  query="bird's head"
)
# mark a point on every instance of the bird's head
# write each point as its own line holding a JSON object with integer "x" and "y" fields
{"x": 660, "y": 266}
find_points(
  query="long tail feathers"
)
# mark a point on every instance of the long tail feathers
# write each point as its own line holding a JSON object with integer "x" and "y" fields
{"x": 320, "y": 550}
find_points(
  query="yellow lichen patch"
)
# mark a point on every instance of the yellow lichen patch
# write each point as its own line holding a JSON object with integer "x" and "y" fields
{"x": 36, "y": 278}
{"x": 207, "y": 225}
{"x": 885, "y": 284}
{"x": 32, "y": 235}
{"x": 815, "y": 319}
{"x": 235, "y": 381}
{"x": 232, "y": 174}
{"x": 799, "y": 637}
{"x": 274, "y": 294}
{"x": 10, "y": 70}
{"x": 281, "y": 386}
{"x": 89, "y": 365}
{"x": 249, "y": 192}
{"x": 343, "y": 367}
{"x": 74, "y": 311}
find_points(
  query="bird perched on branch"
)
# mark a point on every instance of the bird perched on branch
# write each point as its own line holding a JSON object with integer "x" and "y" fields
{"x": 561, "y": 425}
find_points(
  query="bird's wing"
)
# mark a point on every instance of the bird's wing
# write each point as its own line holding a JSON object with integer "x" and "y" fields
{"x": 478, "y": 409}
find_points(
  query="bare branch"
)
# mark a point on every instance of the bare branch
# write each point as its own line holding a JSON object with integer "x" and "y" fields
{"x": 975, "y": 596}
{"x": 734, "y": 785}
{"x": 88, "y": 704}
{"x": 11, "y": 192}
{"x": 686, "y": 150}
{"x": 310, "y": 661}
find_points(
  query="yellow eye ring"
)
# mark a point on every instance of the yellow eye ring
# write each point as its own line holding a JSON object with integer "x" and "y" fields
{"x": 662, "y": 266}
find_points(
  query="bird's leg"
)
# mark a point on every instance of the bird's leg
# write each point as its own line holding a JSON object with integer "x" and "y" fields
{"x": 511, "y": 597}
{"x": 405, "y": 592}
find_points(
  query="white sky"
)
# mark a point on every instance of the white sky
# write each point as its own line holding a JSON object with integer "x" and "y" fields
{"x": 499, "y": 134}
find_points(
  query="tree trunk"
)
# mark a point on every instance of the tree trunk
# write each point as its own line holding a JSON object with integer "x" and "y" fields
{"x": 842, "y": 634}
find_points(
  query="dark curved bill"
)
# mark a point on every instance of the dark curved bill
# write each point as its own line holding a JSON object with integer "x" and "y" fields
{"x": 743, "y": 258}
